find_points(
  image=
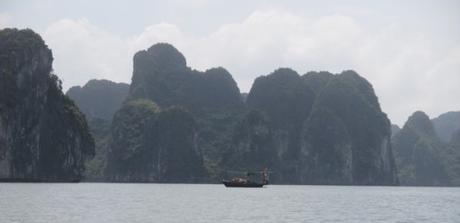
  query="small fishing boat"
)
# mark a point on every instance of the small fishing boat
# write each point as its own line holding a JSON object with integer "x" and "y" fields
{"x": 246, "y": 182}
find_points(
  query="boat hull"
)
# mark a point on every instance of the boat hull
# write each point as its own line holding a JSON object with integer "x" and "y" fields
{"x": 238, "y": 184}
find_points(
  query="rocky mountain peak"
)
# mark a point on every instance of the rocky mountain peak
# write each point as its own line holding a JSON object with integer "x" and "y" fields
{"x": 420, "y": 122}
{"x": 161, "y": 55}
{"x": 43, "y": 135}
{"x": 99, "y": 98}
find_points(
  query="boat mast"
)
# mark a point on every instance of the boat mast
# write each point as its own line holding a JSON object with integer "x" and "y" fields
{"x": 265, "y": 176}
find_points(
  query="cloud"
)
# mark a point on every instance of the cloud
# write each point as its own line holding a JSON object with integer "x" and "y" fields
{"x": 83, "y": 51}
{"x": 5, "y": 20}
{"x": 409, "y": 70}
{"x": 270, "y": 39}
{"x": 162, "y": 32}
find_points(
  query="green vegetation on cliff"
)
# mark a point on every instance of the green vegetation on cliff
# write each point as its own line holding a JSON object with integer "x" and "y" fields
{"x": 129, "y": 159}
{"x": 280, "y": 125}
{"x": 422, "y": 157}
{"x": 99, "y": 99}
{"x": 153, "y": 145}
{"x": 211, "y": 98}
{"x": 318, "y": 128}
{"x": 43, "y": 135}
{"x": 176, "y": 124}
{"x": 182, "y": 125}
{"x": 446, "y": 124}
{"x": 161, "y": 75}
{"x": 358, "y": 129}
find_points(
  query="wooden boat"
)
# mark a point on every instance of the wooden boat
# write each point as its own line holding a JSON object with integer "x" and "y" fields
{"x": 246, "y": 182}
{"x": 233, "y": 183}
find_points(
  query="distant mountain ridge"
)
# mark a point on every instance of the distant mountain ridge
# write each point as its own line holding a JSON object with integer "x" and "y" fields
{"x": 446, "y": 124}
{"x": 314, "y": 132}
{"x": 424, "y": 159}
{"x": 279, "y": 125}
{"x": 184, "y": 99}
{"x": 177, "y": 124}
{"x": 99, "y": 98}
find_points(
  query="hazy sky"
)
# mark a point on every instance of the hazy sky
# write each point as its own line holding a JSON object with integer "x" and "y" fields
{"x": 408, "y": 50}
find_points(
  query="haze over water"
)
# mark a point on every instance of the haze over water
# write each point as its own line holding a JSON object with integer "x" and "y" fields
{"x": 106, "y": 202}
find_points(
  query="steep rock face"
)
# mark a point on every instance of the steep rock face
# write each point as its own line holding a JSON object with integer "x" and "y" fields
{"x": 157, "y": 75}
{"x": 129, "y": 159}
{"x": 286, "y": 101}
{"x": 43, "y": 135}
{"x": 174, "y": 139}
{"x": 347, "y": 131}
{"x": 161, "y": 75}
{"x": 422, "y": 157}
{"x": 153, "y": 145}
{"x": 317, "y": 80}
{"x": 419, "y": 153}
{"x": 282, "y": 96}
{"x": 446, "y": 124}
{"x": 326, "y": 154}
{"x": 212, "y": 97}
{"x": 452, "y": 158}
{"x": 318, "y": 129}
{"x": 394, "y": 130}
{"x": 101, "y": 132}
{"x": 455, "y": 139}
{"x": 253, "y": 146}
{"x": 99, "y": 99}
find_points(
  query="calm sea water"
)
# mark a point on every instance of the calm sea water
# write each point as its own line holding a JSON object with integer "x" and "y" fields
{"x": 107, "y": 202}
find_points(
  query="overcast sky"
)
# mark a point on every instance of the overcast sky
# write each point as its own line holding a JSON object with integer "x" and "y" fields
{"x": 408, "y": 50}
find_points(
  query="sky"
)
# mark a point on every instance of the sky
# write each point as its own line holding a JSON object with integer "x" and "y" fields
{"x": 408, "y": 50}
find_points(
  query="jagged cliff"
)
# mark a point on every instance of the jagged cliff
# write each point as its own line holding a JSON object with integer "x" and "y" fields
{"x": 422, "y": 157}
{"x": 453, "y": 158}
{"x": 180, "y": 125}
{"x": 446, "y": 124}
{"x": 319, "y": 128}
{"x": 149, "y": 145}
{"x": 280, "y": 102}
{"x": 99, "y": 99}
{"x": 348, "y": 114}
{"x": 161, "y": 75}
{"x": 43, "y": 135}
{"x": 167, "y": 138}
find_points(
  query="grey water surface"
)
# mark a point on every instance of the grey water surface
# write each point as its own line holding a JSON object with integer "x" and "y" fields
{"x": 111, "y": 202}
